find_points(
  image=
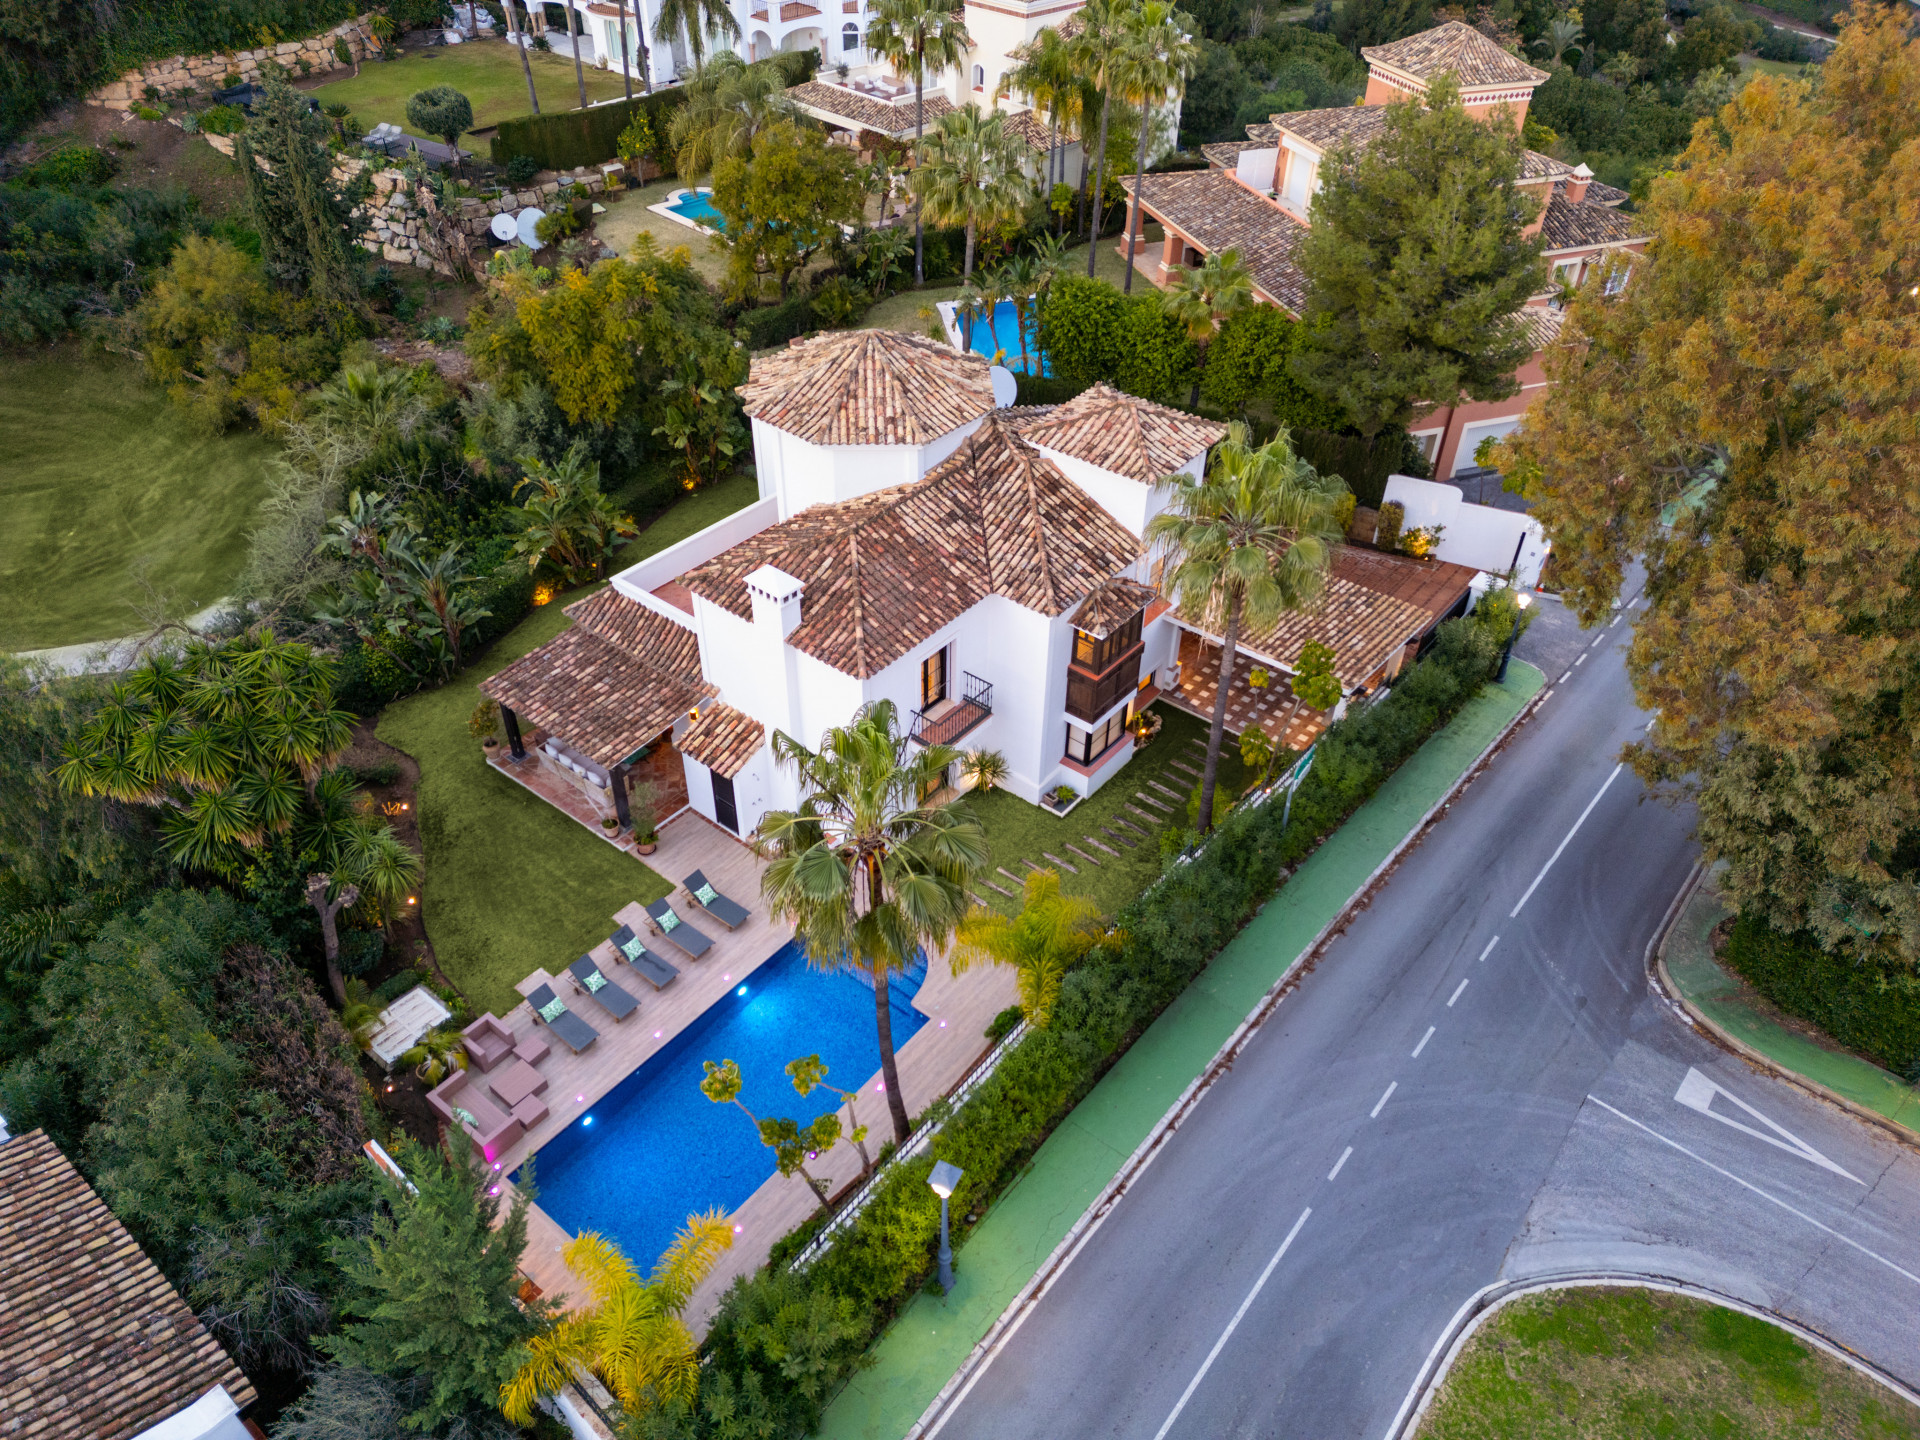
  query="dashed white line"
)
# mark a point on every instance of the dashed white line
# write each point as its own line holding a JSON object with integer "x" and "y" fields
{"x": 1423, "y": 1041}
{"x": 1599, "y": 639}
{"x": 1565, "y": 675}
{"x": 1458, "y": 992}
{"x": 1570, "y": 834}
{"x": 1381, "y": 1103}
{"x": 1490, "y": 944}
{"x": 1338, "y": 1163}
{"x": 1232, "y": 1325}
{"x": 1581, "y": 661}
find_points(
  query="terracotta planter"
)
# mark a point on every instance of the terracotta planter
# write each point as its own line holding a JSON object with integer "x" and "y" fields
{"x": 647, "y": 847}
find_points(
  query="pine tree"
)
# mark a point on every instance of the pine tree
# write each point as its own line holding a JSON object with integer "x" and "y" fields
{"x": 1417, "y": 266}
{"x": 305, "y": 218}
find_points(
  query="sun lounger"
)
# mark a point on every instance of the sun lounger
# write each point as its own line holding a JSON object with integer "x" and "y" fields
{"x": 617, "y": 1002}
{"x": 730, "y": 913}
{"x": 649, "y": 966}
{"x": 677, "y": 931}
{"x": 576, "y": 1033}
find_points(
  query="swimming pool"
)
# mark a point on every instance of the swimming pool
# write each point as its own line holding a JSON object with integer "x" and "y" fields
{"x": 654, "y": 1149}
{"x": 696, "y": 208}
{"x": 1003, "y": 333}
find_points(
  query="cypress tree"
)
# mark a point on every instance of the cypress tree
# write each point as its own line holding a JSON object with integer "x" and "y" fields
{"x": 305, "y": 218}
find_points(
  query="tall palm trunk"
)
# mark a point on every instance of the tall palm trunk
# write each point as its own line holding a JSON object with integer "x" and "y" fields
{"x": 526, "y": 65}
{"x": 1229, "y": 648}
{"x": 1139, "y": 187}
{"x": 626, "y": 75}
{"x": 573, "y": 33}
{"x": 966, "y": 270}
{"x": 919, "y": 134}
{"x": 889, "y": 1070}
{"x": 1099, "y": 181}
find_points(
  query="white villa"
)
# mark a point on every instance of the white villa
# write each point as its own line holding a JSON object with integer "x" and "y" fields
{"x": 918, "y": 539}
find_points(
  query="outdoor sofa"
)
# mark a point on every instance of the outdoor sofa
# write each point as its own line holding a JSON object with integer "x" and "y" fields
{"x": 614, "y": 1000}
{"x": 677, "y": 931}
{"x": 730, "y": 913}
{"x": 575, "y": 1033}
{"x": 488, "y": 1042}
{"x": 649, "y": 966}
{"x": 463, "y": 1102}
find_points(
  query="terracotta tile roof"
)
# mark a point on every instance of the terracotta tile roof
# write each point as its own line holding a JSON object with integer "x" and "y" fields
{"x": 96, "y": 1343}
{"x": 1458, "y": 49}
{"x": 1436, "y": 586}
{"x": 1569, "y": 224}
{"x": 1131, "y": 437}
{"x": 723, "y": 739}
{"x": 1111, "y": 605}
{"x": 1225, "y": 154}
{"x": 1598, "y": 194}
{"x": 867, "y": 112}
{"x": 1363, "y": 626}
{"x": 1535, "y": 166}
{"x": 883, "y": 572}
{"x": 1263, "y": 133}
{"x": 609, "y": 684}
{"x": 1353, "y": 124}
{"x": 1543, "y": 325}
{"x": 868, "y": 387}
{"x": 1031, "y": 126}
{"x": 1217, "y": 212}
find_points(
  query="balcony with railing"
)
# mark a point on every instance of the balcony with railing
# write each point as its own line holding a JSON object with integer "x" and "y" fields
{"x": 945, "y": 723}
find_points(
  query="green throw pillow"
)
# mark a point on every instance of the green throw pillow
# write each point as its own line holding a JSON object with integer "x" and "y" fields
{"x": 706, "y": 894}
{"x": 465, "y": 1117}
{"x": 634, "y": 949}
{"x": 595, "y": 981}
{"x": 553, "y": 1010}
{"x": 668, "y": 920}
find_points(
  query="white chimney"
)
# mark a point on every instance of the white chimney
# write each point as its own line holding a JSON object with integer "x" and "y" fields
{"x": 776, "y": 599}
{"x": 1577, "y": 183}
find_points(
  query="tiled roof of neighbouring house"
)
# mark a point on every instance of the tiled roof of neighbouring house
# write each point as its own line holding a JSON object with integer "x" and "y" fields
{"x": 1456, "y": 49}
{"x": 1535, "y": 166}
{"x": 1569, "y": 224}
{"x": 1111, "y": 605}
{"x": 609, "y": 684}
{"x": 1225, "y": 154}
{"x": 1364, "y": 627}
{"x": 1355, "y": 124}
{"x": 1113, "y": 430}
{"x": 1216, "y": 211}
{"x": 1598, "y": 194}
{"x": 1031, "y": 126}
{"x": 95, "y": 1342}
{"x": 868, "y": 387}
{"x": 883, "y": 572}
{"x": 1436, "y": 586}
{"x": 723, "y": 739}
{"x": 867, "y": 112}
{"x": 1543, "y": 325}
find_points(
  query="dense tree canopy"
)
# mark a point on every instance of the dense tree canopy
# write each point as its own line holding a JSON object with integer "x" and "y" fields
{"x": 1744, "y": 417}
{"x": 783, "y": 203}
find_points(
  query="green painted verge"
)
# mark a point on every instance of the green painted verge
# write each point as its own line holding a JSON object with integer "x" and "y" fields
{"x": 1722, "y": 997}
{"x": 933, "y": 1336}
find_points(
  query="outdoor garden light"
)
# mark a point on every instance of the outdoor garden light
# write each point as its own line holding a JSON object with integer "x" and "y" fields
{"x": 944, "y": 1180}
{"x": 741, "y": 991}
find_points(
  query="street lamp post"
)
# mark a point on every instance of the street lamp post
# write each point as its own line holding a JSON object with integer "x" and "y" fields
{"x": 1520, "y": 602}
{"x": 944, "y": 1180}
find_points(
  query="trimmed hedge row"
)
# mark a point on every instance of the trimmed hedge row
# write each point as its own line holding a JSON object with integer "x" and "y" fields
{"x": 782, "y": 1343}
{"x": 1865, "y": 1006}
{"x": 566, "y": 139}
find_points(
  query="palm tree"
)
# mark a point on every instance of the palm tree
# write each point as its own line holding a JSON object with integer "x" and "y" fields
{"x": 1098, "y": 53}
{"x": 1245, "y": 545}
{"x": 573, "y": 34}
{"x": 728, "y": 104}
{"x": 1021, "y": 281}
{"x": 865, "y": 870}
{"x": 526, "y": 65}
{"x": 1051, "y": 931}
{"x": 1045, "y": 75}
{"x": 969, "y": 171}
{"x": 1160, "y": 54}
{"x": 1202, "y": 296}
{"x": 569, "y": 520}
{"x": 790, "y": 1142}
{"x": 1562, "y": 31}
{"x": 911, "y": 36}
{"x": 632, "y": 1336}
{"x": 626, "y": 70}
{"x": 696, "y": 20}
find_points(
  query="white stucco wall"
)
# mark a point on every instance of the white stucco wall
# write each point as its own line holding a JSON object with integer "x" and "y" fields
{"x": 799, "y": 473}
{"x": 1476, "y": 535}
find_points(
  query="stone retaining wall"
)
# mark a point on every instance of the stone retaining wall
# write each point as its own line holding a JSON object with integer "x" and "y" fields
{"x": 210, "y": 72}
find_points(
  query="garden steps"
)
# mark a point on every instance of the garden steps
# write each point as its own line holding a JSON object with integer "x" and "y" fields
{"x": 1083, "y": 854}
{"x": 1146, "y": 815}
{"x": 1010, "y": 875}
{"x": 1070, "y": 869}
{"x": 995, "y": 888}
{"x": 1036, "y": 869}
{"x": 1153, "y": 800}
{"x": 1167, "y": 790}
{"x": 1108, "y": 848}
{"x": 1126, "y": 840}
{"x": 1182, "y": 765}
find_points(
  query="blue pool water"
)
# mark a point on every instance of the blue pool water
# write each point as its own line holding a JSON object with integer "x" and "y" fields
{"x": 1003, "y": 333}
{"x": 655, "y": 1150}
{"x": 697, "y": 206}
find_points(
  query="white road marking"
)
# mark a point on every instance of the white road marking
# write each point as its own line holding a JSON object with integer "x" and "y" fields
{"x": 1232, "y": 1325}
{"x": 1570, "y": 834}
{"x": 1749, "y": 1185}
{"x": 1651, "y": 723}
{"x": 1600, "y": 637}
{"x": 1456, "y": 994}
{"x": 1616, "y": 620}
{"x": 1423, "y": 1042}
{"x": 1563, "y": 676}
{"x": 1381, "y": 1104}
{"x": 1340, "y": 1162}
{"x": 1490, "y": 944}
{"x": 1696, "y": 1092}
{"x": 1581, "y": 660}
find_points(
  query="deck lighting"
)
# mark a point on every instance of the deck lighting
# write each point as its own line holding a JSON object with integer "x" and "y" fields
{"x": 741, "y": 991}
{"x": 588, "y": 1121}
{"x": 657, "y": 1034}
{"x": 944, "y": 1180}
{"x": 581, "y": 1099}
{"x": 726, "y": 977}
{"x": 739, "y": 1229}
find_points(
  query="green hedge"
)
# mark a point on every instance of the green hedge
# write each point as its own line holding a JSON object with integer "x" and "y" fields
{"x": 782, "y": 1343}
{"x": 1089, "y": 331}
{"x": 1865, "y": 1006}
{"x": 566, "y": 139}
{"x": 1364, "y": 467}
{"x": 765, "y": 326}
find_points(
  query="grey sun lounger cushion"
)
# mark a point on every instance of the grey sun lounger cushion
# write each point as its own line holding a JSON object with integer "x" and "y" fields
{"x": 576, "y": 1033}
{"x": 730, "y": 913}
{"x": 678, "y": 931}
{"x": 655, "y": 971}
{"x": 617, "y": 1002}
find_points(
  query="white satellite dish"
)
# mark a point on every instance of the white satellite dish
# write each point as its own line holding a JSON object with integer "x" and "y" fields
{"x": 1005, "y": 388}
{"x": 504, "y": 226}
{"x": 523, "y": 227}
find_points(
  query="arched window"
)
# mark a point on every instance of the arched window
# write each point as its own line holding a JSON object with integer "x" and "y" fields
{"x": 849, "y": 37}
{"x": 979, "y": 77}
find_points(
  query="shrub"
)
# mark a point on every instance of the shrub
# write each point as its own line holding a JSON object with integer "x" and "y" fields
{"x": 1386, "y": 533}
{"x": 396, "y": 985}
{"x": 568, "y": 138}
{"x": 552, "y": 228}
{"x": 839, "y": 303}
{"x": 223, "y": 120}
{"x": 71, "y": 167}
{"x": 769, "y": 325}
{"x": 1866, "y": 1006}
{"x": 521, "y": 169}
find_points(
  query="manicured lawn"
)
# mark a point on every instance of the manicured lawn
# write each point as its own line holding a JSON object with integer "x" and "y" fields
{"x": 902, "y": 311}
{"x": 511, "y": 883}
{"x": 103, "y": 479}
{"x": 1771, "y": 67}
{"x": 487, "y": 72}
{"x": 628, "y": 217}
{"x": 1623, "y": 1364}
{"x": 1019, "y": 832}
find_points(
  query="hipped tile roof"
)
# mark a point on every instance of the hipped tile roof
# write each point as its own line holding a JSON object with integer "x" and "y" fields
{"x": 1111, "y": 605}
{"x": 1363, "y": 627}
{"x": 1569, "y": 224}
{"x": 1535, "y": 166}
{"x": 1323, "y": 129}
{"x": 1031, "y": 126}
{"x": 1457, "y": 49}
{"x": 611, "y": 683}
{"x": 1607, "y": 195}
{"x": 1216, "y": 211}
{"x": 94, "y": 1342}
{"x": 1128, "y": 436}
{"x": 868, "y": 112}
{"x": 1435, "y": 586}
{"x": 868, "y": 387}
{"x": 723, "y": 739}
{"x": 883, "y": 572}
{"x": 1543, "y": 325}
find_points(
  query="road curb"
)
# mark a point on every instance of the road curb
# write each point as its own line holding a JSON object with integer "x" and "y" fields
{"x": 1661, "y": 982}
{"x": 1083, "y": 1229}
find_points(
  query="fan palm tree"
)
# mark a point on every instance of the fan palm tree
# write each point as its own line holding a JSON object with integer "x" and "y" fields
{"x": 573, "y": 34}
{"x": 1046, "y": 76}
{"x": 695, "y": 20}
{"x": 1202, "y": 297}
{"x": 526, "y": 65}
{"x": 866, "y": 871}
{"x": 1051, "y": 931}
{"x": 1246, "y": 544}
{"x": 1099, "y": 52}
{"x": 631, "y": 1336}
{"x": 968, "y": 171}
{"x": 728, "y": 104}
{"x": 1159, "y": 56}
{"x": 915, "y": 36}
{"x": 1562, "y": 32}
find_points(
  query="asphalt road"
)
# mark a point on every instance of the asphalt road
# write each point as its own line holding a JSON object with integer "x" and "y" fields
{"x": 1473, "y": 1084}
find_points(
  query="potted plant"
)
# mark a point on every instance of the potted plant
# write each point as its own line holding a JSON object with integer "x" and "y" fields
{"x": 484, "y": 725}
{"x": 643, "y": 801}
{"x": 646, "y": 838}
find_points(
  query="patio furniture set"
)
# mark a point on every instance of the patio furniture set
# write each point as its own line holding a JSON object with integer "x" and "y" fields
{"x": 497, "y": 1097}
